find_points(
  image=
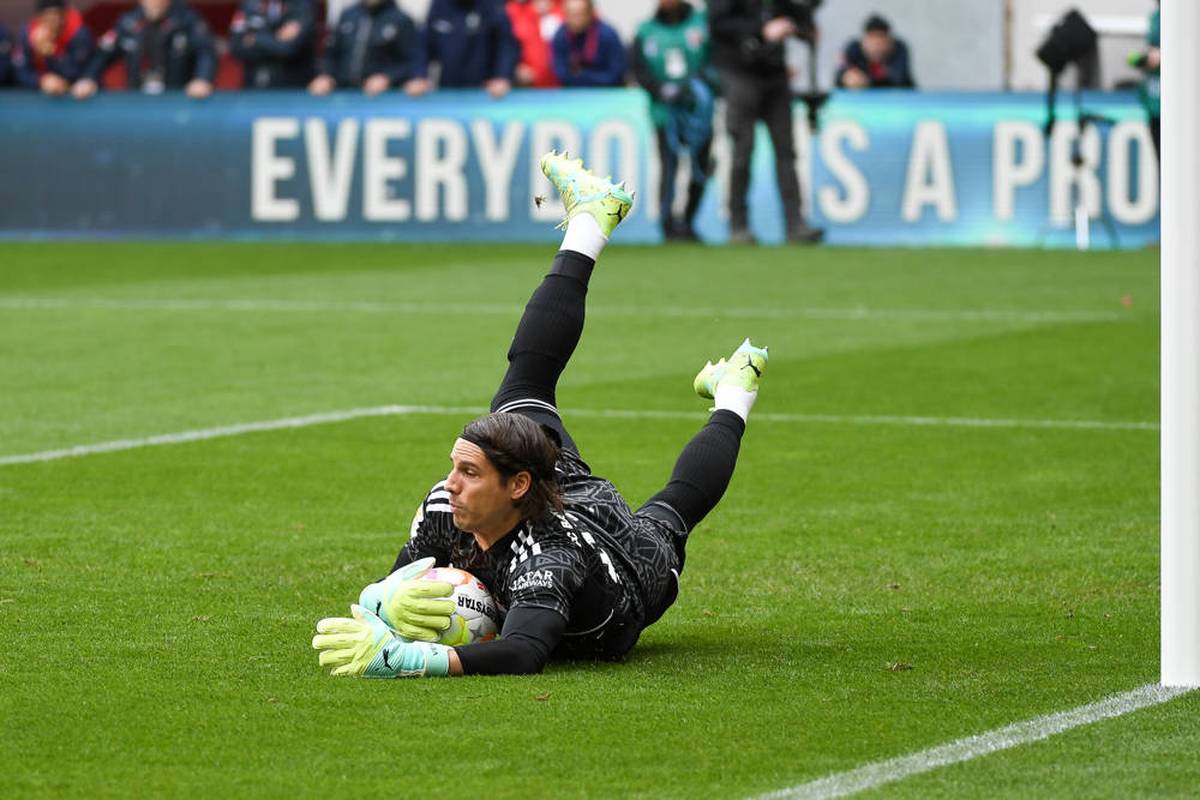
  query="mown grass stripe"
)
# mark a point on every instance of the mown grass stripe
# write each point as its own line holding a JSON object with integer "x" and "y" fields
{"x": 329, "y": 417}
{"x": 374, "y": 307}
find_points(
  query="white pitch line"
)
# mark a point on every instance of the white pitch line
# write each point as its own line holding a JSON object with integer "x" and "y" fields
{"x": 220, "y": 432}
{"x": 602, "y": 413}
{"x": 371, "y": 307}
{"x": 880, "y": 773}
{"x": 875, "y": 419}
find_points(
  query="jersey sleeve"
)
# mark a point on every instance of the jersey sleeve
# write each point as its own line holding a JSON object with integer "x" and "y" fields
{"x": 524, "y": 646}
{"x": 432, "y": 530}
{"x": 545, "y": 575}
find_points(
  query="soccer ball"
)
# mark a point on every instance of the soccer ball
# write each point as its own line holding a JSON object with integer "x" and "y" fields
{"x": 475, "y": 618}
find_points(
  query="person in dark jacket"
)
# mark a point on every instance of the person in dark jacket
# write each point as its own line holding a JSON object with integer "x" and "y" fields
{"x": 473, "y": 44}
{"x": 748, "y": 47}
{"x": 876, "y": 61}
{"x": 6, "y": 57}
{"x": 374, "y": 47}
{"x": 587, "y": 51}
{"x": 275, "y": 41}
{"x": 55, "y": 48}
{"x": 166, "y": 45}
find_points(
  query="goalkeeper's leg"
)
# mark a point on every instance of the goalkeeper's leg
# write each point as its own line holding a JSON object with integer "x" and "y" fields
{"x": 546, "y": 337}
{"x": 701, "y": 474}
{"x": 704, "y": 468}
{"x": 552, "y": 323}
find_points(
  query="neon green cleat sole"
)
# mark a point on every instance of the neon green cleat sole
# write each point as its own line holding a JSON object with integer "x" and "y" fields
{"x": 744, "y": 369}
{"x": 584, "y": 193}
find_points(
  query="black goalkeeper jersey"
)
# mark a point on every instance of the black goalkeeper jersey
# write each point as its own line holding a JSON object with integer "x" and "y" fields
{"x": 607, "y": 571}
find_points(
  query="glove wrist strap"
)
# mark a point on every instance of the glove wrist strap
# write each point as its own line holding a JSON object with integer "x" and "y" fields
{"x": 437, "y": 660}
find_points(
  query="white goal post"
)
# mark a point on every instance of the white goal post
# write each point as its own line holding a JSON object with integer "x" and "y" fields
{"x": 1180, "y": 377}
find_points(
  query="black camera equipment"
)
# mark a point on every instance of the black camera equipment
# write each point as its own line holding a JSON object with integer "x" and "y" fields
{"x": 813, "y": 98}
{"x": 1073, "y": 42}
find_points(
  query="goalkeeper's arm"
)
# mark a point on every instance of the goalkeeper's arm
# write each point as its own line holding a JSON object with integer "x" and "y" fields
{"x": 529, "y": 636}
{"x": 364, "y": 645}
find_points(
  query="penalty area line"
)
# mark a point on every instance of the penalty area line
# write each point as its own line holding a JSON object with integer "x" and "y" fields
{"x": 331, "y": 417}
{"x": 871, "y": 776}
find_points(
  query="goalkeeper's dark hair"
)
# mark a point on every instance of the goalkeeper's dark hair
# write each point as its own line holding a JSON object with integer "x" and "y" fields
{"x": 514, "y": 443}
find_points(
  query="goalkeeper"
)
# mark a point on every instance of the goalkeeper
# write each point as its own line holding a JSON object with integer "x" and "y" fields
{"x": 576, "y": 572}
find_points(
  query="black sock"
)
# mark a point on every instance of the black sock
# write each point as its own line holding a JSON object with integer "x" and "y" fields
{"x": 548, "y": 331}
{"x": 704, "y": 468}
{"x": 573, "y": 265}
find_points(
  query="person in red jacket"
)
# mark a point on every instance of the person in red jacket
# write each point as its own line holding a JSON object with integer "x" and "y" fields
{"x": 534, "y": 23}
{"x": 55, "y": 48}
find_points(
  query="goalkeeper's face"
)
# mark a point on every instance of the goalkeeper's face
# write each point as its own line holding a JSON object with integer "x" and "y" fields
{"x": 482, "y": 500}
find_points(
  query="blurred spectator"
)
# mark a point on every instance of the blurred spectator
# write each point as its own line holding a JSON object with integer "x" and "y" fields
{"x": 534, "y": 23}
{"x": 6, "y": 57}
{"x": 334, "y": 9}
{"x": 748, "y": 46}
{"x": 166, "y": 45}
{"x": 670, "y": 61}
{"x": 274, "y": 40}
{"x": 473, "y": 44}
{"x": 1149, "y": 92}
{"x": 374, "y": 46}
{"x": 55, "y": 48}
{"x": 587, "y": 51}
{"x": 876, "y": 61}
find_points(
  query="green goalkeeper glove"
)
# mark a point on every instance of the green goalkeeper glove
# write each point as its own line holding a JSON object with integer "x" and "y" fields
{"x": 411, "y": 605}
{"x": 365, "y": 646}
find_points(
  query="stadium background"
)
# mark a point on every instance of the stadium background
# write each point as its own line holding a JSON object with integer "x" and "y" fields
{"x": 938, "y": 167}
{"x": 944, "y": 522}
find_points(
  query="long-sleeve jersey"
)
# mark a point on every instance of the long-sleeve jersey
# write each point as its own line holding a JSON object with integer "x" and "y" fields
{"x": 582, "y": 583}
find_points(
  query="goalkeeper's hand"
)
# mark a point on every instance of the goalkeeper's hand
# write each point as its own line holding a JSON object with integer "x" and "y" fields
{"x": 364, "y": 646}
{"x": 414, "y": 608}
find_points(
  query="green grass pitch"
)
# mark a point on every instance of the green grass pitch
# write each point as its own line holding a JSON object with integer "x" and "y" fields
{"x": 867, "y": 589}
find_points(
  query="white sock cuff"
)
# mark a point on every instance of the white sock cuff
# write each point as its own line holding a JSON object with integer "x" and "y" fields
{"x": 583, "y": 236}
{"x": 735, "y": 399}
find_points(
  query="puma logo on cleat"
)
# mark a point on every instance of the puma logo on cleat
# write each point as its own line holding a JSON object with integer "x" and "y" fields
{"x": 750, "y": 364}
